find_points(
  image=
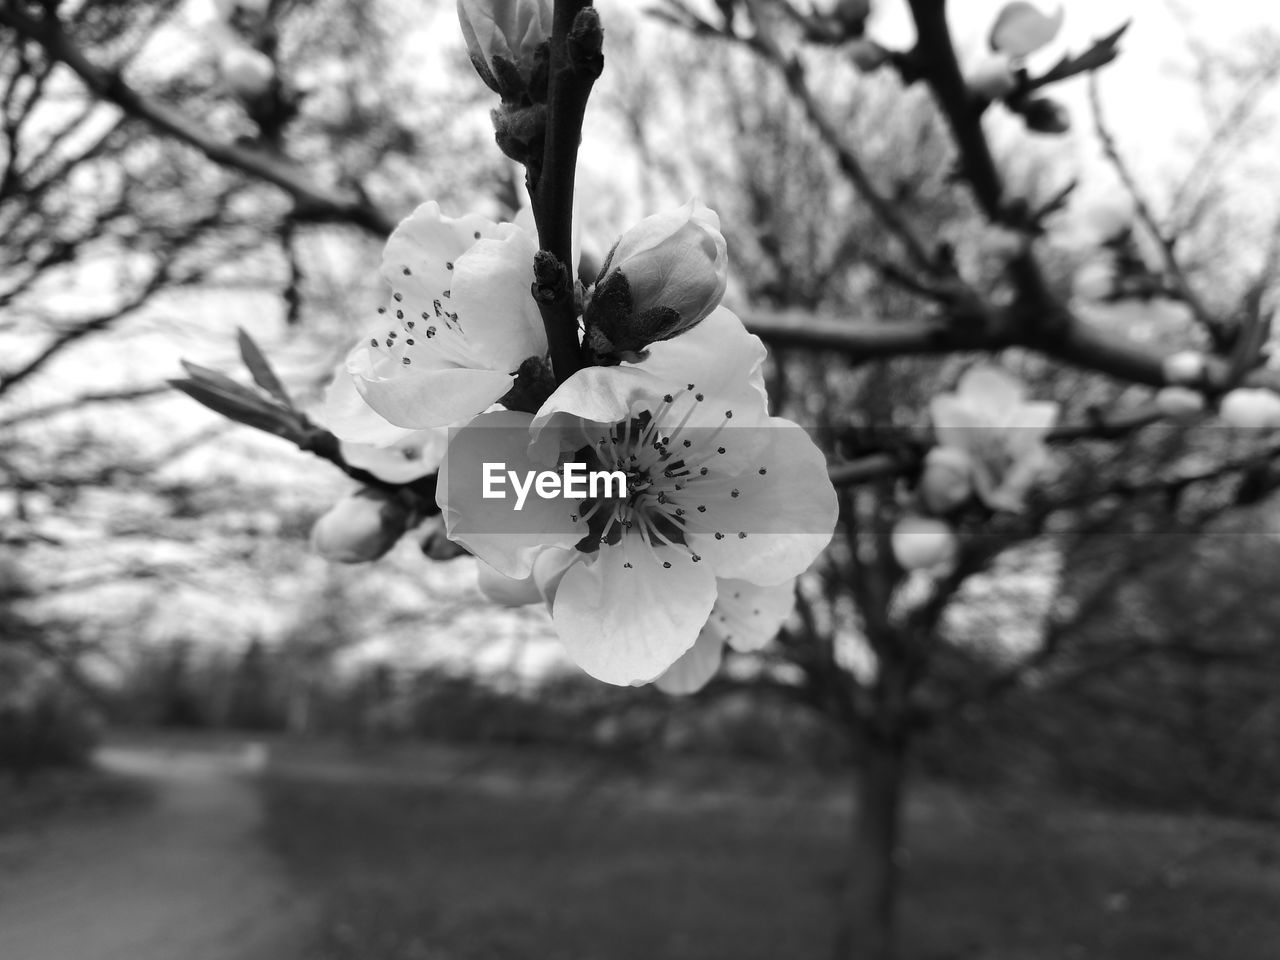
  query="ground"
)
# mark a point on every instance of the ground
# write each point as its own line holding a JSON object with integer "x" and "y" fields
{"x": 472, "y": 854}
{"x": 180, "y": 876}
{"x": 330, "y": 852}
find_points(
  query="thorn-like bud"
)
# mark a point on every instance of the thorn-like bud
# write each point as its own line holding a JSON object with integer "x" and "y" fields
{"x": 520, "y": 132}
{"x": 1043, "y": 115}
{"x": 360, "y": 527}
{"x": 551, "y": 279}
{"x": 535, "y": 382}
{"x": 586, "y": 44}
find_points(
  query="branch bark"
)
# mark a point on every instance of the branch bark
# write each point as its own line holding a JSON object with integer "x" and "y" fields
{"x": 314, "y": 202}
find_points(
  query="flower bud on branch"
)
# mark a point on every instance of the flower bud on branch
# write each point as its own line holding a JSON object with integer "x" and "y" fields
{"x": 664, "y": 276}
{"x": 360, "y": 527}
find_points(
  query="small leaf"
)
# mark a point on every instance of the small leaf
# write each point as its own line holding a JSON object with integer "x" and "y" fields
{"x": 1099, "y": 55}
{"x": 260, "y": 368}
{"x": 243, "y": 406}
{"x": 1021, "y": 29}
{"x": 213, "y": 378}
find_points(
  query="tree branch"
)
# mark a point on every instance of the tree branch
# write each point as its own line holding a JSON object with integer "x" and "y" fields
{"x": 314, "y": 202}
{"x": 575, "y": 64}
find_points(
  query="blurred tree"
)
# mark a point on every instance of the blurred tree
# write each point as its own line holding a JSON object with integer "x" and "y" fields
{"x": 875, "y": 220}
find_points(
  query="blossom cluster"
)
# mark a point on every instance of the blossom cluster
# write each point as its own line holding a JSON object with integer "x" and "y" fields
{"x": 247, "y": 71}
{"x": 724, "y": 504}
{"x": 990, "y": 447}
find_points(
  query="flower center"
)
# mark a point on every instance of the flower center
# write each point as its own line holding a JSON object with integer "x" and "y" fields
{"x": 674, "y": 471}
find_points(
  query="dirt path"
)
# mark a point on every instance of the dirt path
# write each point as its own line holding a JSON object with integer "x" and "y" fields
{"x": 182, "y": 879}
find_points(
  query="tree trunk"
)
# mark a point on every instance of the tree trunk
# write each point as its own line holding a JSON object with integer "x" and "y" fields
{"x": 869, "y": 927}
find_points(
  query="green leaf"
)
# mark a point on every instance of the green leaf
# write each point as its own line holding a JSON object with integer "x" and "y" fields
{"x": 215, "y": 379}
{"x": 260, "y": 368}
{"x": 1099, "y": 55}
{"x": 242, "y": 405}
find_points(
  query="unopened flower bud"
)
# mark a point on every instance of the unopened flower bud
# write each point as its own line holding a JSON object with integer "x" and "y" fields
{"x": 247, "y": 72}
{"x": 435, "y": 543}
{"x": 1250, "y": 408}
{"x": 1184, "y": 368}
{"x": 867, "y": 55}
{"x": 850, "y": 14}
{"x": 360, "y": 527}
{"x": 508, "y": 42}
{"x": 1046, "y": 116}
{"x": 1108, "y": 218}
{"x": 1094, "y": 281}
{"x": 663, "y": 277}
{"x": 1020, "y": 29}
{"x": 947, "y": 479}
{"x": 922, "y": 543}
{"x": 992, "y": 77}
{"x": 1179, "y": 403}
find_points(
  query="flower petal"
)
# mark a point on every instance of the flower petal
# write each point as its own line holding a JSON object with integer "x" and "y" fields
{"x": 782, "y": 517}
{"x": 506, "y": 591}
{"x": 460, "y": 301}
{"x": 549, "y": 567}
{"x": 416, "y": 455}
{"x": 627, "y": 624}
{"x": 718, "y": 357}
{"x": 747, "y": 616}
{"x": 695, "y": 668}
{"x": 1021, "y": 29}
{"x": 435, "y": 398}
{"x": 495, "y": 309}
{"x": 990, "y": 390}
{"x": 346, "y": 414}
{"x": 507, "y": 538}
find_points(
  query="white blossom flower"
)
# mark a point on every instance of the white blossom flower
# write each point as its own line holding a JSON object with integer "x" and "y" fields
{"x": 503, "y": 37}
{"x": 390, "y": 453}
{"x": 1250, "y": 408}
{"x": 990, "y": 419}
{"x": 923, "y": 543}
{"x": 745, "y": 617}
{"x": 247, "y": 72}
{"x": 360, "y": 527}
{"x": 946, "y": 480}
{"x": 460, "y": 323}
{"x": 716, "y": 489}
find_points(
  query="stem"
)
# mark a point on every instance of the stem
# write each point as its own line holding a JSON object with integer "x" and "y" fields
{"x": 569, "y": 86}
